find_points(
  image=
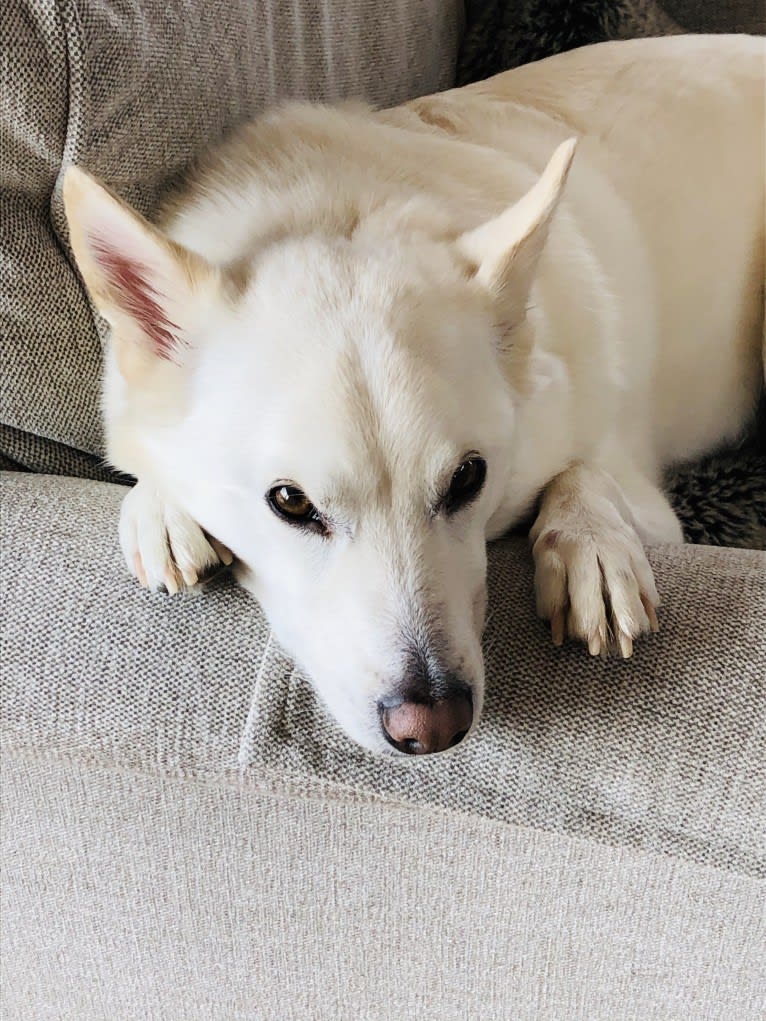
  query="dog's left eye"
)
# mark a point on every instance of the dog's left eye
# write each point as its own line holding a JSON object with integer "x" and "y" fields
{"x": 466, "y": 483}
{"x": 292, "y": 504}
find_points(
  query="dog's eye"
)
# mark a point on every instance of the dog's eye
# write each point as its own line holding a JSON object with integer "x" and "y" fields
{"x": 466, "y": 483}
{"x": 292, "y": 504}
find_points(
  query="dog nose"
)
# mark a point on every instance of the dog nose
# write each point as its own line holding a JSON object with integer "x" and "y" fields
{"x": 421, "y": 728}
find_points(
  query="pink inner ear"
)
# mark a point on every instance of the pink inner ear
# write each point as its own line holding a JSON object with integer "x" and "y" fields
{"x": 138, "y": 298}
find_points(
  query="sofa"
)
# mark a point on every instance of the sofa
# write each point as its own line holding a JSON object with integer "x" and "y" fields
{"x": 186, "y": 834}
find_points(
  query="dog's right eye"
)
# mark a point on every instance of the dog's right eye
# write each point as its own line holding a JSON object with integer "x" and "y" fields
{"x": 466, "y": 483}
{"x": 292, "y": 504}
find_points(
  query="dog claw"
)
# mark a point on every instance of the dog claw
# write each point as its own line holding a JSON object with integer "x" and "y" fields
{"x": 557, "y": 627}
{"x": 138, "y": 564}
{"x": 594, "y": 645}
{"x": 224, "y": 553}
{"x": 626, "y": 645}
{"x": 651, "y": 613}
{"x": 171, "y": 582}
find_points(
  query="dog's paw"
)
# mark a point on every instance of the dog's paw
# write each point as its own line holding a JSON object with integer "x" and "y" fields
{"x": 594, "y": 586}
{"x": 163, "y": 547}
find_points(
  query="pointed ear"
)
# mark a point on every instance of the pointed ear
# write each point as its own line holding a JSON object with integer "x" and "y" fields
{"x": 505, "y": 250}
{"x": 149, "y": 289}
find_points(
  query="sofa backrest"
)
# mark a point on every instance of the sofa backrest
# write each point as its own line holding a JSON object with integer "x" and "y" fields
{"x": 132, "y": 91}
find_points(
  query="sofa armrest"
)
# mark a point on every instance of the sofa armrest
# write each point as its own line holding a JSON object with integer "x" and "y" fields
{"x": 95, "y": 666}
{"x": 663, "y": 751}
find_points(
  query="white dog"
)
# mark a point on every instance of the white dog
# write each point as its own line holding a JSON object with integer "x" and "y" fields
{"x": 360, "y": 344}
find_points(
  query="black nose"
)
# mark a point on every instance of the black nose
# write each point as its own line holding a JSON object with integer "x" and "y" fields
{"x": 427, "y": 726}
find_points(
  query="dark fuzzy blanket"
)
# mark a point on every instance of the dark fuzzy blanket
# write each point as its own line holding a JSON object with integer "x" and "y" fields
{"x": 501, "y": 34}
{"x": 721, "y": 500}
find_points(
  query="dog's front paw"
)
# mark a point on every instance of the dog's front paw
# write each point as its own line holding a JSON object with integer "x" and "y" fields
{"x": 594, "y": 586}
{"x": 163, "y": 546}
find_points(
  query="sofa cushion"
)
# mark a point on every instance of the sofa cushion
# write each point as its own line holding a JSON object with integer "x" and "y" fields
{"x": 132, "y": 90}
{"x": 172, "y": 898}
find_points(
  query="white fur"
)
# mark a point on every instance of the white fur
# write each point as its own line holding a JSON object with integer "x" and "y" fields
{"x": 380, "y": 294}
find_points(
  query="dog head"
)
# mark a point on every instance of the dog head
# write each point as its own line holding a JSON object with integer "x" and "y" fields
{"x": 337, "y": 411}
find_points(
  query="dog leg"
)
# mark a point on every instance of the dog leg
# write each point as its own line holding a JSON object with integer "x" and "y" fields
{"x": 163, "y": 547}
{"x": 592, "y": 579}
